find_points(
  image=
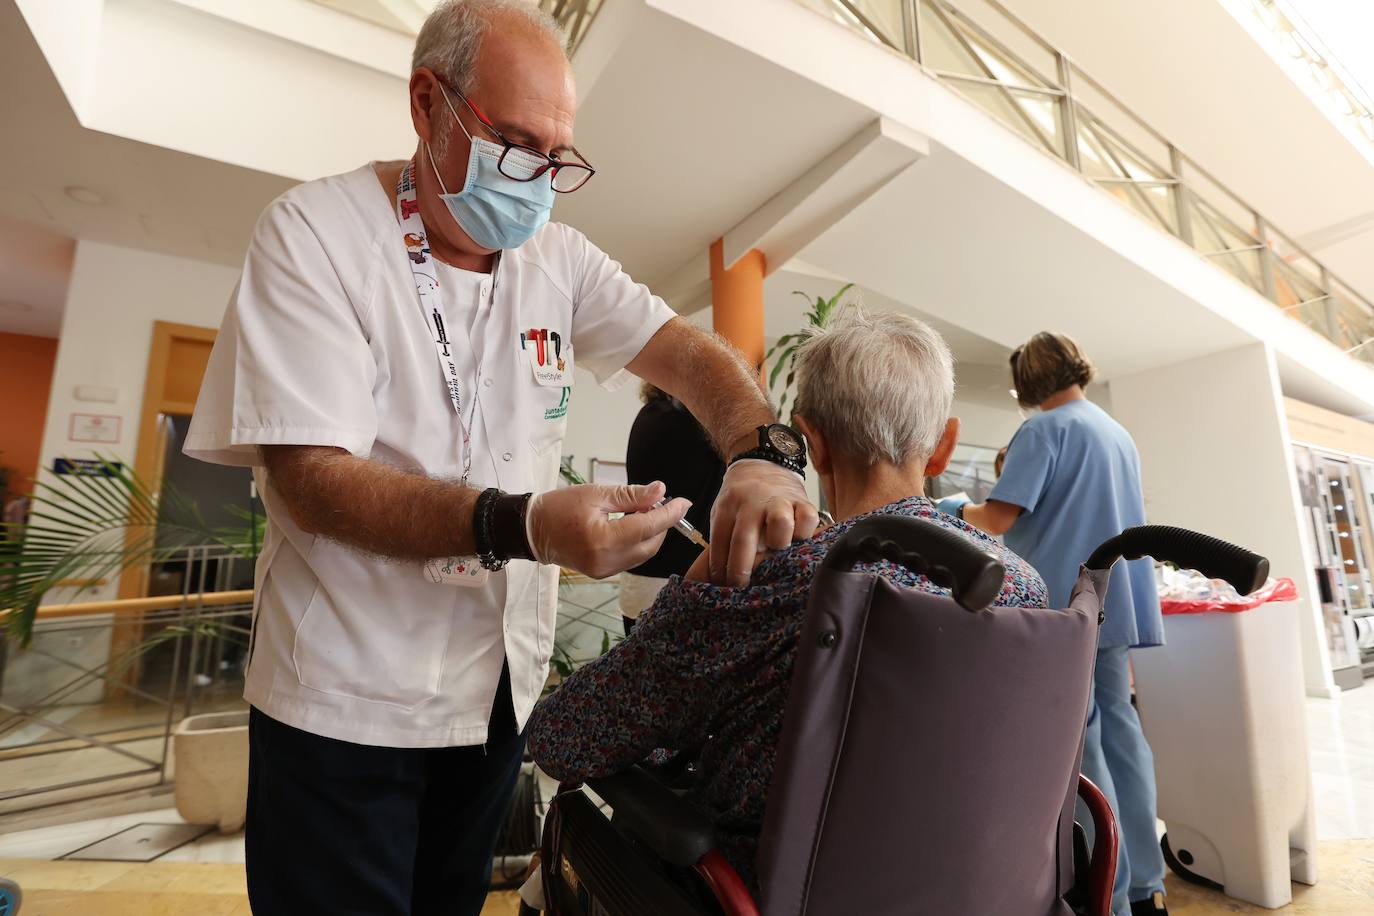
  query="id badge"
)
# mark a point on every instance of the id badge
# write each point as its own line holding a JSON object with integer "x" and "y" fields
{"x": 465, "y": 572}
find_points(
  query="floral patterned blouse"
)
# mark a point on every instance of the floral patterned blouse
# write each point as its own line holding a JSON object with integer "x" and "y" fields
{"x": 715, "y": 662}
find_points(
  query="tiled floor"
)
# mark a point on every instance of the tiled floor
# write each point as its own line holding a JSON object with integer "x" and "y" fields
{"x": 155, "y": 889}
{"x": 1340, "y": 734}
{"x": 56, "y": 766}
{"x": 206, "y": 877}
{"x": 1346, "y": 888}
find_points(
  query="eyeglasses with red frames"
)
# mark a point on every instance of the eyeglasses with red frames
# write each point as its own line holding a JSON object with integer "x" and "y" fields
{"x": 523, "y": 163}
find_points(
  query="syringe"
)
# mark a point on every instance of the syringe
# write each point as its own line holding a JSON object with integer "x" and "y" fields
{"x": 685, "y": 528}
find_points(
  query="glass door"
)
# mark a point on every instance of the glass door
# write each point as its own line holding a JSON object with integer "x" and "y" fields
{"x": 1323, "y": 483}
{"x": 1345, "y": 529}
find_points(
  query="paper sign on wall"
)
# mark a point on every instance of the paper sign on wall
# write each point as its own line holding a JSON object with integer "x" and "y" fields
{"x": 94, "y": 427}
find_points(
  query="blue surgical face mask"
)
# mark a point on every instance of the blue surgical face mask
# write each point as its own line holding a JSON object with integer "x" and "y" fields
{"x": 495, "y": 211}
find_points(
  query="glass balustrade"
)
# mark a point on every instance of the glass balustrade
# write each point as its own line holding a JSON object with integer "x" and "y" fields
{"x": 983, "y": 51}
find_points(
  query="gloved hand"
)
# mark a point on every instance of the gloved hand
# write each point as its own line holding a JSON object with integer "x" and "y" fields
{"x": 570, "y": 527}
{"x": 761, "y": 505}
{"x": 953, "y": 505}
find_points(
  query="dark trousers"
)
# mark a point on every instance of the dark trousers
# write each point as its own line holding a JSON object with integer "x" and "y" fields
{"x": 344, "y": 829}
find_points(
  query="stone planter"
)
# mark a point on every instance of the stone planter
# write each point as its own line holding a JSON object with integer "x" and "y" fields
{"x": 212, "y": 769}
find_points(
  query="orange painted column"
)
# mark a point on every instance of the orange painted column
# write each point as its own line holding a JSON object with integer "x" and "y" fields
{"x": 737, "y": 301}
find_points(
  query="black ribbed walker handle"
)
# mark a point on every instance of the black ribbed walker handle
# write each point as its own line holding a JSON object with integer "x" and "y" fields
{"x": 1213, "y": 557}
{"x": 946, "y": 558}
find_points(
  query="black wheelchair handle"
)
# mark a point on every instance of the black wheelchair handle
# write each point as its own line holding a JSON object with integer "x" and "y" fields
{"x": 1213, "y": 557}
{"x": 946, "y": 558}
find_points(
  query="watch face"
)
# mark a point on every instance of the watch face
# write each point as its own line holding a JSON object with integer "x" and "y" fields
{"x": 785, "y": 441}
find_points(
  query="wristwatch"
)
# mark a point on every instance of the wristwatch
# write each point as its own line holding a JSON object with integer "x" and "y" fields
{"x": 779, "y": 444}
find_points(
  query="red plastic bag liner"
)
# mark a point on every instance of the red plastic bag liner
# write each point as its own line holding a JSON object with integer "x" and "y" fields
{"x": 1277, "y": 590}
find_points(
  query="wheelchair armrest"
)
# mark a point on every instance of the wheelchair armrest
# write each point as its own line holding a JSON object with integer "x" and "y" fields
{"x": 1102, "y": 867}
{"x": 675, "y": 831}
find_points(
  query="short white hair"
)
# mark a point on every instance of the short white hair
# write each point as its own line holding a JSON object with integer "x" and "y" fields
{"x": 878, "y": 386}
{"x": 450, "y": 41}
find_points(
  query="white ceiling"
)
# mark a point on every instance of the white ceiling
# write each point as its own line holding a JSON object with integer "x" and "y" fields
{"x": 35, "y": 266}
{"x": 404, "y": 16}
{"x": 684, "y": 142}
{"x": 154, "y": 198}
{"x": 785, "y": 311}
{"x": 691, "y": 134}
{"x": 983, "y": 257}
{"x": 1191, "y": 71}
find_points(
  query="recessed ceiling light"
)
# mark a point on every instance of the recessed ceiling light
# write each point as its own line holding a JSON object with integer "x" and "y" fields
{"x": 84, "y": 195}
{"x": 15, "y": 307}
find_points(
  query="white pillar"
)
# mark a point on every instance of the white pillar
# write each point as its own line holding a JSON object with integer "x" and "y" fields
{"x": 1216, "y": 457}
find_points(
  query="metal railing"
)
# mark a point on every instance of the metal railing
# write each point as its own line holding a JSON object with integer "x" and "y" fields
{"x": 96, "y": 696}
{"x": 76, "y": 728}
{"x": 990, "y": 56}
{"x": 1300, "y": 42}
{"x": 575, "y": 17}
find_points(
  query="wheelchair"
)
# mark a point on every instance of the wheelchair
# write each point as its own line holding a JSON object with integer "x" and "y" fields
{"x": 928, "y": 762}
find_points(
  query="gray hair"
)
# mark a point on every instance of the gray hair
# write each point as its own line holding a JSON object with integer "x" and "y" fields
{"x": 451, "y": 38}
{"x": 878, "y": 386}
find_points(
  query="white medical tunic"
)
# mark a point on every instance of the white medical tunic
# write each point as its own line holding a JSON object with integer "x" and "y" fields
{"x": 324, "y": 343}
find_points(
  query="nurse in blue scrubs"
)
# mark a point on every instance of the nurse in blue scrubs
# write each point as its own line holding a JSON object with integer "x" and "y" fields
{"x": 1070, "y": 481}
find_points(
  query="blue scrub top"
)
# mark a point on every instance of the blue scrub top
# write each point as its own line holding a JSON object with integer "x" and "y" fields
{"x": 1076, "y": 473}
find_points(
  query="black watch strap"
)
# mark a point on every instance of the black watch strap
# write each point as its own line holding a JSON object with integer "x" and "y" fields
{"x": 509, "y": 536}
{"x": 498, "y": 528}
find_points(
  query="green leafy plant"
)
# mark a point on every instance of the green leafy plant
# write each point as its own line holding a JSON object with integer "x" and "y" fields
{"x": 822, "y": 309}
{"x": 569, "y": 475}
{"x": 91, "y": 526}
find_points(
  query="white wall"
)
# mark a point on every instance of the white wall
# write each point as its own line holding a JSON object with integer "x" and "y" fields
{"x": 285, "y": 87}
{"x": 1216, "y": 456}
{"x": 981, "y": 424}
{"x": 599, "y": 421}
{"x": 107, "y": 330}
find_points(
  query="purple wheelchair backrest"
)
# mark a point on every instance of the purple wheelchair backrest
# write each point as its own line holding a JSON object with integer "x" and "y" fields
{"x": 929, "y": 757}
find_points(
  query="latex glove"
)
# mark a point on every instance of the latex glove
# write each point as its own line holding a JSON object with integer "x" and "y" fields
{"x": 570, "y": 526}
{"x": 761, "y": 505}
{"x": 953, "y": 505}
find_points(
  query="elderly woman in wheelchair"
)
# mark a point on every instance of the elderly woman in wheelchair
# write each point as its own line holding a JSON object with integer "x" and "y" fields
{"x": 707, "y": 668}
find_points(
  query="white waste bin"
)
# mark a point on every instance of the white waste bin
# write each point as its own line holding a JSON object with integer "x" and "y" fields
{"x": 1222, "y": 704}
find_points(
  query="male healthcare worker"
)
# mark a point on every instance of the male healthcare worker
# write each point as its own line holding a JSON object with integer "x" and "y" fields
{"x": 396, "y": 365}
{"x": 1070, "y": 481}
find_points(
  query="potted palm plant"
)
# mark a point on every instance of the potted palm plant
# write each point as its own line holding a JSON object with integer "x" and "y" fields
{"x": 784, "y": 352}
{"x": 92, "y": 526}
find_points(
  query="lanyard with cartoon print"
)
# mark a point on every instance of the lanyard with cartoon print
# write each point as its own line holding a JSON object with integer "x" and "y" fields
{"x": 463, "y": 571}
{"x": 427, "y": 287}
